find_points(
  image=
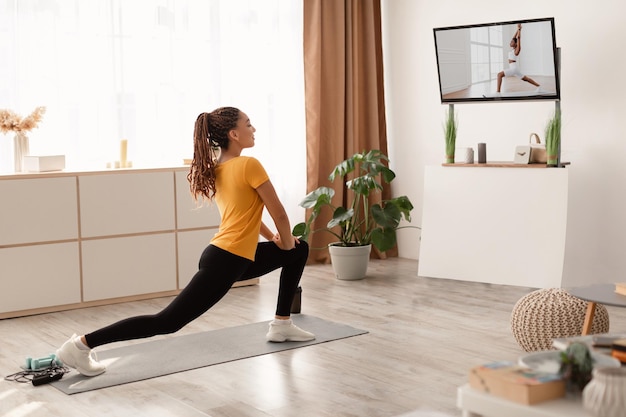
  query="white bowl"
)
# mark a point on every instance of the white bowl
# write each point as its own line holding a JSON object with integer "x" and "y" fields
{"x": 549, "y": 361}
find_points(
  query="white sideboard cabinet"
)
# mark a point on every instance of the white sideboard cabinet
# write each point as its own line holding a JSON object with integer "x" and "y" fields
{"x": 78, "y": 239}
{"x": 498, "y": 225}
{"x": 39, "y": 251}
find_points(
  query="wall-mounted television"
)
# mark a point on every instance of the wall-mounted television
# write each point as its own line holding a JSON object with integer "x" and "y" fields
{"x": 515, "y": 60}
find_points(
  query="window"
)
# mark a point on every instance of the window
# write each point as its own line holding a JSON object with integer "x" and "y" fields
{"x": 487, "y": 60}
{"x": 143, "y": 70}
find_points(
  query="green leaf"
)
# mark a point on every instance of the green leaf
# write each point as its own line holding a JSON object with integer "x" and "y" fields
{"x": 299, "y": 230}
{"x": 388, "y": 175}
{"x": 389, "y": 216}
{"x": 341, "y": 215}
{"x": 383, "y": 239}
{"x": 318, "y": 198}
{"x": 404, "y": 205}
{"x": 343, "y": 168}
{"x": 363, "y": 185}
{"x": 450, "y": 129}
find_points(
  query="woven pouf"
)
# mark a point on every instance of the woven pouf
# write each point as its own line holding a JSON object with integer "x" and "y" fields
{"x": 550, "y": 313}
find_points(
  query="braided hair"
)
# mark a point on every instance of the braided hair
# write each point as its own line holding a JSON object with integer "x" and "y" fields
{"x": 210, "y": 135}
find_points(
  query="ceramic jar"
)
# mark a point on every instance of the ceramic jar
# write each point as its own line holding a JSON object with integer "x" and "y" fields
{"x": 465, "y": 155}
{"x": 605, "y": 394}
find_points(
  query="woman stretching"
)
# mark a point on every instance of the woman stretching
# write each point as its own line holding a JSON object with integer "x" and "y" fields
{"x": 241, "y": 188}
{"x": 513, "y": 69}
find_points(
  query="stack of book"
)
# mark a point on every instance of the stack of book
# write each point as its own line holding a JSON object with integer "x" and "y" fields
{"x": 611, "y": 344}
{"x": 601, "y": 343}
{"x": 516, "y": 383}
{"x": 618, "y": 350}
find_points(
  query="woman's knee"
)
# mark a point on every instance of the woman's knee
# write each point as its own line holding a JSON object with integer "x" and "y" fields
{"x": 303, "y": 249}
{"x": 165, "y": 324}
{"x": 303, "y": 245}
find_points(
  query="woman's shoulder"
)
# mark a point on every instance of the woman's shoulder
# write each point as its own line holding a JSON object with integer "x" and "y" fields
{"x": 242, "y": 160}
{"x": 248, "y": 160}
{"x": 249, "y": 164}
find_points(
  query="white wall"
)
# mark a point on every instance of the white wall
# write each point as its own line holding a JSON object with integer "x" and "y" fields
{"x": 590, "y": 36}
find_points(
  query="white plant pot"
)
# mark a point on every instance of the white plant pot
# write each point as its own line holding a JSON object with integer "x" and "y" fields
{"x": 349, "y": 262}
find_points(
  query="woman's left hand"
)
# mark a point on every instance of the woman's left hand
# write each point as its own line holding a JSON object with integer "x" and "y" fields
{"x": 285, "y": 245}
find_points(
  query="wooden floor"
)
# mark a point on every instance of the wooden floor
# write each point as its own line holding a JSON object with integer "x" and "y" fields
{"x": 511, "y": 86}
{"x": 424, "y": 335}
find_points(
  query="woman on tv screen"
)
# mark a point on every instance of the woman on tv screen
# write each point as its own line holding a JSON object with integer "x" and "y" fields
{"x": 513, "y": 69}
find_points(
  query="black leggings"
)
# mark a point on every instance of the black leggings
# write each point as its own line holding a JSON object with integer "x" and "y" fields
{"x": 218, "y": 270}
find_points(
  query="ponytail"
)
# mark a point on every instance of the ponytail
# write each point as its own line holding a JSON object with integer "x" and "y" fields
{"x": 210, "y": 134}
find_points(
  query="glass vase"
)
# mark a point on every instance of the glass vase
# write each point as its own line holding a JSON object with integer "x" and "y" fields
{"x": 20, "y": 150}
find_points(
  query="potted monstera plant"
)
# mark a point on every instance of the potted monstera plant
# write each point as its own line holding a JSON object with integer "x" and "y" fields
{"x": 358, "y": 225}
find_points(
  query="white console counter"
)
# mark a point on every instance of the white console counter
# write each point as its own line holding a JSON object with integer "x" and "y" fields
{"x": 494, "y": 224}
{"x": 77, "y": 239}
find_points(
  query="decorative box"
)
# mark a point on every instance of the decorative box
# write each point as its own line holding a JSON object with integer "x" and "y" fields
{"x": 522, "y": 154}
{"x": 43, "y": 163}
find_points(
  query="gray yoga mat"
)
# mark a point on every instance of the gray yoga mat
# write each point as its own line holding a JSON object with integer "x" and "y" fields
{"x": 177, "y": 354}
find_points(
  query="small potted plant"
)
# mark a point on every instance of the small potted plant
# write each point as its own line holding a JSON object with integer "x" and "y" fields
{"x": 576, "y": 366}
{"x": 449, "y": 130}
{"x": 359, "y": 224}
{"x": 553, "y": 139}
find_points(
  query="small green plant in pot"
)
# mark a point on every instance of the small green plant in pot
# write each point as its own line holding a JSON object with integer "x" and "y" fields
{"x": 449, "y": 129}
{"x": 359, "y": 223}
{"x": 576, "y": 366}
{"x": 553, "y": 138}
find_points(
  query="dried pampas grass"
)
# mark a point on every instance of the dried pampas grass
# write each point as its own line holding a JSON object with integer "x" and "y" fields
{"x": 12, "y": 122}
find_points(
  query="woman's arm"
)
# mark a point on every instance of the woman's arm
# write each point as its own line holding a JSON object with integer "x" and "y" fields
{"x": 518, "y": 36}
{"x": 285, "y": 240}
{"x": 266, "y": 232}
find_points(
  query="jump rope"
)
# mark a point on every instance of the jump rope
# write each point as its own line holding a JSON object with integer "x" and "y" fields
{"x": 40, "y": 371}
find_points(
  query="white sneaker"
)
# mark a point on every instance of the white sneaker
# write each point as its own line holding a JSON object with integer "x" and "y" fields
{"x": 79, "y": 359}
{"x": 288, "y": 333}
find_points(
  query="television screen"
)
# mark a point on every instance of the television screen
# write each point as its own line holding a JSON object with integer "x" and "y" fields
{"x": 515, "y": 60}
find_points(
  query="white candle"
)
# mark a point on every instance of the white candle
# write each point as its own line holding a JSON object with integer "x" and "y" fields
{"x": 123, "y": 152}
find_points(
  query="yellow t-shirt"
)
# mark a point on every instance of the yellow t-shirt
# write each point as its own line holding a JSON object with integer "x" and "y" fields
{"x": 239, "y": 204}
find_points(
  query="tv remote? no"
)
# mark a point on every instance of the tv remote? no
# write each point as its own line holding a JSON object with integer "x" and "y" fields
{"x": 46, "y": 378}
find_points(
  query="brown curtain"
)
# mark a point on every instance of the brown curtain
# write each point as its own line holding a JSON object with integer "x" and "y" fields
{"x": 344, "y": 95}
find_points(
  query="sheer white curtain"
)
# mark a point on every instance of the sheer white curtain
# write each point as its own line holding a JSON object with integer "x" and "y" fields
{"x": 143, "y": 70}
